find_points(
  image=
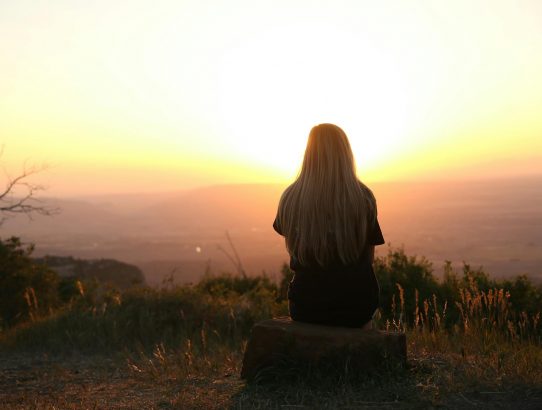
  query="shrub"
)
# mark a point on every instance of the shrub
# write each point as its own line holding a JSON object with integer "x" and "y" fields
{"x": 27, "y": 289}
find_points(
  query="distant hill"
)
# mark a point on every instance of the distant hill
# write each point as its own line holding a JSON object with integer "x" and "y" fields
{"x": 220, "y": 206}
{"x": 224, "y": 206}
{"x": 493, "y": 223}
{"x": 106, "y": 271}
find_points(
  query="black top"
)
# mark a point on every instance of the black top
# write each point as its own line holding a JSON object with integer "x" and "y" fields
{"x": 341, "y": 295}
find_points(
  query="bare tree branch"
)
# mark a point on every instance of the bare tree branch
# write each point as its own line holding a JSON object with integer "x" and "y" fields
{"x": 19, "y": 195}
{"x": 235, "y": 259}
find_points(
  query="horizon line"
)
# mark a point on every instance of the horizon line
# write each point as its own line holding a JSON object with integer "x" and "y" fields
{"x": 479, "y": 178}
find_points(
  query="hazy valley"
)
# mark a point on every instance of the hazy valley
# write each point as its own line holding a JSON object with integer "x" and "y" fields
{"x": 495, "y": 224}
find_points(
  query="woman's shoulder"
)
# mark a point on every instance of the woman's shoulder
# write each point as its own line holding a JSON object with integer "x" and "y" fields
{"x": 368, "y": 195}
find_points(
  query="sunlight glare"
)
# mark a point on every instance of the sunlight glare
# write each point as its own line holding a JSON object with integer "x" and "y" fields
{"x": 274, "y": 88}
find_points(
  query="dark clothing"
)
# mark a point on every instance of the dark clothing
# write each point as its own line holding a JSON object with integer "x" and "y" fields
{"x": 338, "y": 295}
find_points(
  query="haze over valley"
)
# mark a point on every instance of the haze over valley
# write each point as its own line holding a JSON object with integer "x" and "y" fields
{"x": 496, "y": 224}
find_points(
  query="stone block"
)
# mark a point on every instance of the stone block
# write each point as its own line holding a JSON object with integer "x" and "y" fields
{"x": 274, "y": 339}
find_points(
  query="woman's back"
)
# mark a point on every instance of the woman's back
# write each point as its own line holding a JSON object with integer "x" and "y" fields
{"x": 328, "y": 218}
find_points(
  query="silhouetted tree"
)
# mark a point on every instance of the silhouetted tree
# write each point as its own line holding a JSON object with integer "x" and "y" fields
{"x": 19, "y": 195}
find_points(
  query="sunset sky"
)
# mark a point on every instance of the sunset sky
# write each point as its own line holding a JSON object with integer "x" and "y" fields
{"x": 139, "y": 96}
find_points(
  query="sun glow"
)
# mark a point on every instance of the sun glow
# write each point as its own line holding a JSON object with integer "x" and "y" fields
{"x": 197, "y": 92}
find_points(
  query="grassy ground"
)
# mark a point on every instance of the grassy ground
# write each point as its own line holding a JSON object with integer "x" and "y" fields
{"x": 437, "y": 375}
{"x": 182, "y": 348}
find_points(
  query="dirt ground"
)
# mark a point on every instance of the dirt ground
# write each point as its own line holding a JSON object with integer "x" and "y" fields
{"x": 30, "y": 381}
{"x": 77, "y": 382}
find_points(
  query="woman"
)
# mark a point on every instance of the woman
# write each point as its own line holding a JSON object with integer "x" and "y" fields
{"x": 328, "y": 219}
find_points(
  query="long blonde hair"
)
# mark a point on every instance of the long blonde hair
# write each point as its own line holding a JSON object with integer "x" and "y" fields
{"x": 327, "y": 211}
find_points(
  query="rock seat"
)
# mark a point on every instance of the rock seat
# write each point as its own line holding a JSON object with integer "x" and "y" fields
{"x": 274, "y": 339}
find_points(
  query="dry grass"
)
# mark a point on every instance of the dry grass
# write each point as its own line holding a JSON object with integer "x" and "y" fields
{"x": 182, "y": 348}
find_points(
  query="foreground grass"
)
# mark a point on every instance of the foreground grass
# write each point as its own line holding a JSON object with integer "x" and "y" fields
{"x": 182, "y": 347}
{"x": 183, "y": 378}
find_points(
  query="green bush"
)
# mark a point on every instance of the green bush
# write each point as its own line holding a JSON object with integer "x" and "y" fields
{"x": 49, "y": 313}
{"x": 224, "y": 284}
{"x": 28, "y": 289}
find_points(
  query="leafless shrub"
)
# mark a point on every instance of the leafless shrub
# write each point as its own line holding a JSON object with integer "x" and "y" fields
{"x": 21, "y": 195}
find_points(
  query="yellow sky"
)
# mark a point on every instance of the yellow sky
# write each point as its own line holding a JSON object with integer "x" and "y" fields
{"x": 159, "y": 95}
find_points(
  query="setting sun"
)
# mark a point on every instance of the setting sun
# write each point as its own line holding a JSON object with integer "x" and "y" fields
{"x": 190, "y": 93}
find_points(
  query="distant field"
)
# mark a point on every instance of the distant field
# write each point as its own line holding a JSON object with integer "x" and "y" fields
{"x": 496, "y": 224}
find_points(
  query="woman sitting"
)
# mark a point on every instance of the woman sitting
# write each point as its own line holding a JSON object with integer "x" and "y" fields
{"x": 329, "y": 220}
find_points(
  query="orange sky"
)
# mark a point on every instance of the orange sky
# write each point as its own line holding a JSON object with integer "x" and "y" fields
{"x": 164, "y": 95}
